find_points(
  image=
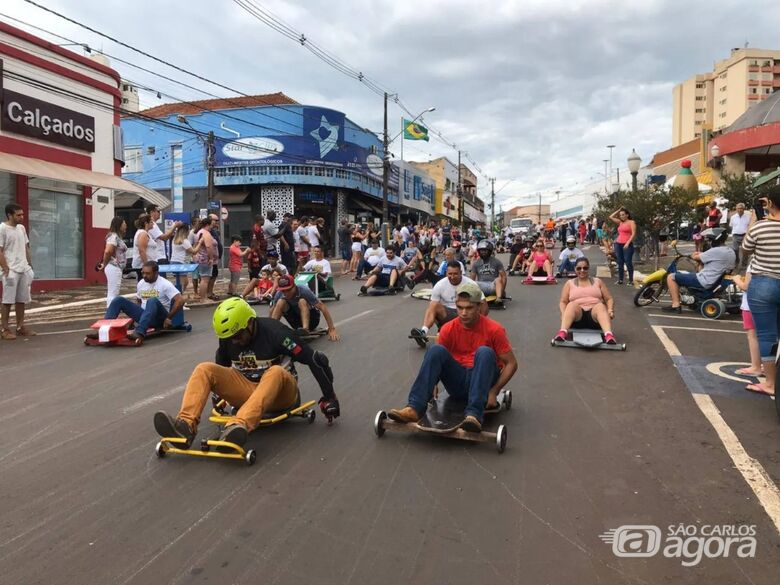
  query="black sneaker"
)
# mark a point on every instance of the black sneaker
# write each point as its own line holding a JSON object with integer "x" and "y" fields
{"x": 671, "y": 309}
{"x": 618, "y": 282}
{"x": 410, "y": 283}
{"x": 166, "y": 426}
{"x": 363, "y": 291}
{"x": 236, "y": 434}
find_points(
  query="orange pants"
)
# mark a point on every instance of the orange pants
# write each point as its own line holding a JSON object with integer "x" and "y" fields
{"x": 277, "y": 390}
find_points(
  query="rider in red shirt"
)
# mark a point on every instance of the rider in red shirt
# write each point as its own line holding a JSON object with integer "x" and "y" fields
{"x": 473, "y": 358}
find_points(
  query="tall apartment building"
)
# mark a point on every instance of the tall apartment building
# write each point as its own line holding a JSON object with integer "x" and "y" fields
{"x": 714, "y": 100}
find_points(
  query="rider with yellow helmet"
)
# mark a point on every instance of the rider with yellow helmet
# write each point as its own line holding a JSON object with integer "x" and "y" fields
{"x": 247, "y": 375}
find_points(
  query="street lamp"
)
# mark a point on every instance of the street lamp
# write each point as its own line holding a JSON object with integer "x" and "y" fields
{"x": 634, "y": 162}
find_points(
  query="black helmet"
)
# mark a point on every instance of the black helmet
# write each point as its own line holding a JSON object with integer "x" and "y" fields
{"x": 715, "y": 236}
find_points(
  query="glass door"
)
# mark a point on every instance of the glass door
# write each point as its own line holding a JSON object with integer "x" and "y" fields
{"x": 56, "y": 234}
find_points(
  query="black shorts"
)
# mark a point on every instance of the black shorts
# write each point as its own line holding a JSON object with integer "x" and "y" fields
{"x": 382, "y": 280}
{"x": 214, "y": 271}
{"x": 254, "y": 273}
{"x": 586, "y": 321}
{"x": 293, "y": 316}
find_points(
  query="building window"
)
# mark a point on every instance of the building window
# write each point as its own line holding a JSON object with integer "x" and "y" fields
{"x": 753, "y": 62}
{"x": 7, "y": 189}
{"x": 56, "y": 234}
{"x": 699, "y": 86}
{"x": 697, "y": 135}
{"x": 134, "y": 160}
{"x": 700, "y": 110}
{"x": 699, "y": 98}
{"x": 767, "y": 63}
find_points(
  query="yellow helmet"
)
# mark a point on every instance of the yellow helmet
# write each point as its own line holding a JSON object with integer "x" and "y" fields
{"x": 231, "y": 316}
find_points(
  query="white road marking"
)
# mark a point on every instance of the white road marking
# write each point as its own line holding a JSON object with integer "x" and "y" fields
{"x": 63, "y": 332}
{"x": 151, "y": 400}
{"x": 752, "y": 471}
{"x": 717, "y": 369}
{"x": 348, "y": 319}
{"x": 669, "y": 345}
{"x": 68, "y": 305}
{"x": 733, "y": 322}
{"x": 757, "y": 478}
{"x": 698, "y": 329}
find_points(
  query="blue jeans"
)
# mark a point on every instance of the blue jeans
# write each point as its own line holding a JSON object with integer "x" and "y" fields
{"x": 624, "y": 255}
{"x": 152, "y": 316}
{"x": 470, "y": 385}
{"x": 764, "y": 300}
{"x": 566, "y": 266}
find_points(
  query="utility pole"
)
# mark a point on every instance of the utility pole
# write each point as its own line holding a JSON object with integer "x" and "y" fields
{"x": 609, "y": 181}
{"x": 492, "y": 204}
{"x": 540, "y": 208}
{"x": 210, "y": 167}
{"x": 385, "y": 172}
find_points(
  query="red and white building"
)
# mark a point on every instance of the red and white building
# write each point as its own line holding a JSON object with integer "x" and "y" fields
{"x": 61, "y": 155}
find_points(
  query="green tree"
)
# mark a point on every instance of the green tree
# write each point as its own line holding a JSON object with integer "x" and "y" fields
{"x": 738, "y": 188}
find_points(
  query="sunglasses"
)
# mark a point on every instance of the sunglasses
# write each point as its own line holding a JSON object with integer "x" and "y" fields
{"x": 582, "y": 268}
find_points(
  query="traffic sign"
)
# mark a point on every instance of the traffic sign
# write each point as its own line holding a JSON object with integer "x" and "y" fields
{"x": 224, "y": 213}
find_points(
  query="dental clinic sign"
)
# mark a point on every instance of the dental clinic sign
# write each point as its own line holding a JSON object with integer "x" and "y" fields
{"x": 36, "y": 118}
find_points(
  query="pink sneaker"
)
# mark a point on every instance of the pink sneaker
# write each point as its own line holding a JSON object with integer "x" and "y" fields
{"x": 550, "y": 278}
{"x": 609, "y": 338}
{"x": 560, "y": 336}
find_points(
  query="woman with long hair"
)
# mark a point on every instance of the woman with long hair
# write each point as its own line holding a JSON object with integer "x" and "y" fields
{"x": 144, "y": 246}
{"x": 358, "y": 235}
{"x": 763, "y": 241}
{"x": 114, "y": 257}
{"x": 206, "y": 257}
{"x": 624, "y": 244}
{"x": 182, "y": 251}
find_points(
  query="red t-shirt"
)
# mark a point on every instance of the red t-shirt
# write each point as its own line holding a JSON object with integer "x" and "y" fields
{"x": 236, "y": 260}
{"x": 462, "y": 343}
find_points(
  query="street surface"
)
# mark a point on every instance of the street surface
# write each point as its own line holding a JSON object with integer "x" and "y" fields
{"x": 596, "y": 440}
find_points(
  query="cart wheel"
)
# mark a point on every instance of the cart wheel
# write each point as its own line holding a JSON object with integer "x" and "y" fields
{"x": 712, "y": 308}
{"x": 508, "y": 399}
{"x": 159, "y": 450}
{"x": 187, "y": 327}
{"x": 311, "y": 415}
{"x": 250, "y": 457}
{"x": 379, "y": 428}
{"x": 623, "y": 347}
{"x": 501, "y": 438}
{"x": 338, "y": 297}
{"x": 86, "y": 342}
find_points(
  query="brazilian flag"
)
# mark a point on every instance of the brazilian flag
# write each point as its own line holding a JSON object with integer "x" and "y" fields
{"x": 414, "y": 131}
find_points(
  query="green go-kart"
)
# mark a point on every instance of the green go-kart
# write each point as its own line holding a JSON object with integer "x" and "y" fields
{"x": 310, "y": 279}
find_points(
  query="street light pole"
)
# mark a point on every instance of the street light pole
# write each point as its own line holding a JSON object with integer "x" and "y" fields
{"x": 461, "y": 207}
{"x": 492, "y": 204}
{"x": 634, "y": 162}
{"x": 385, "y": 170}
{"x": 609, "y": 181}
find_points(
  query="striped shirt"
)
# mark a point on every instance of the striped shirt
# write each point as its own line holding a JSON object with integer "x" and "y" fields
{"x": 763, "y": 239}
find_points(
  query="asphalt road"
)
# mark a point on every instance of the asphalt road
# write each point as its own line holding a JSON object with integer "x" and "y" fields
{"x": 596, "y": 440}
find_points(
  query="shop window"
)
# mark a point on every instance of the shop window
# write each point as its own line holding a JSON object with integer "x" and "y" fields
{"x": 7, "y": 190}
{"x": 134, "y": 160}
{"x": 56, "y": 223}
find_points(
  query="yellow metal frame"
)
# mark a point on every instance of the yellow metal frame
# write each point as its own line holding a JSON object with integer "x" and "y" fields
{"x": 167, "y": 443}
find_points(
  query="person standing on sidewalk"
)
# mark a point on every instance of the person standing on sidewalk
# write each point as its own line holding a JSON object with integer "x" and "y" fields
{"x": 158, "y": 235}
{"x": 144, "y": 246}
{"x": 739, "y": 223}
{"x": 114, "y": 258}
{"x": 217, "y": 236}
{"x": 287, "y": 242}
{"x": 206, "y": 258}
{"x": 16, "y": 265}
{"x": 624, "y": 244}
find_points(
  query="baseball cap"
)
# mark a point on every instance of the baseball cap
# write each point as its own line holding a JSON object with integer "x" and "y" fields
{"x": 471, "y": 290}
{"x": 272, "y": 253}
{"x": 284, "y": 283}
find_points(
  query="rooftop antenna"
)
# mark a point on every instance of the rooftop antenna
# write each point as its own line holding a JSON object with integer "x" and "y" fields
{"x": 746, "y": 43}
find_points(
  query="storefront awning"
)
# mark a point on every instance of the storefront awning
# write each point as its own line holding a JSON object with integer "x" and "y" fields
{"x": 33, "y": 167}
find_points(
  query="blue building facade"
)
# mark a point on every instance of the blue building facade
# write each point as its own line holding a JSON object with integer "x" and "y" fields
{"x": 304, "y": 160}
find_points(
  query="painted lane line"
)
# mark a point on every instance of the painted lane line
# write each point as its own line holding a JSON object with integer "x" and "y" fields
{"x": 669, "y": 345}
{"x": 151, "y": 400}
{"x": 68, "y": 305}
{"x": 698, "y": 329}
{"x": 752, "y": 471}
{"x": 755, "y": 475}
{"x": 348, "y": 319}
{"x": 64, "y": 332}
{"x": 731, "y": 322}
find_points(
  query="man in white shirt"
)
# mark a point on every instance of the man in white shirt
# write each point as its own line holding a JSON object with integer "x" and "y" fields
{"x": 442, "y": 309}
{"x": 301, "y": 237}
{"x": 569, "y": 256}
{"x": 270, "y": 230}
{"x": 16, "y": 266}
{"x": 158, "y": 235}
{"x": 314, "y": 234}
{"x": 320, "y": 266}
{"x": 405, "y": 234}
{"x": 739, "y": 223}
{"x": 371, "y": 258}
{"x": 157, "y": 301}
{"x": 274, "y": 264}
{"x": 386, "y": 273}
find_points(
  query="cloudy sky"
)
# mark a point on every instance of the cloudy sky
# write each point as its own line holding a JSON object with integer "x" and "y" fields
{"x": 534, "y": 90}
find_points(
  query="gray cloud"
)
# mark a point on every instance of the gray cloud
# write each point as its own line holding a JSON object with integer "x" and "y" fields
{"x": 532, "y": 89}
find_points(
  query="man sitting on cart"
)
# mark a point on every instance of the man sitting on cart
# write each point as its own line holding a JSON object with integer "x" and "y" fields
{"x": 246, "y": 376}
{"x": 301, "y": 308}
{"x": 569, "y": 256}
{"x": 321, "y": 267}
{"x": 157, "y": 301}
{"x": 473, "y": 359}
